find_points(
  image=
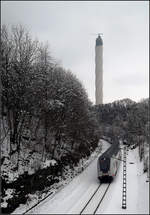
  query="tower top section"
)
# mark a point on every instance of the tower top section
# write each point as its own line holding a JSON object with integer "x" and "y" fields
{"x": 99, "y": 41}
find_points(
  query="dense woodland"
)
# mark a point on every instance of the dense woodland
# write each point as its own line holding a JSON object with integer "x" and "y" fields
{"x": 40, "y": 95}
{"x": 46, "y": 115}
{"x": 124, "y": 119}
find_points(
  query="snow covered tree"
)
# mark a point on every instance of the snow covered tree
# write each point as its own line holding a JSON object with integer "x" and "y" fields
{"x": 44, "y": 98}
{"x": 21, "y": 57}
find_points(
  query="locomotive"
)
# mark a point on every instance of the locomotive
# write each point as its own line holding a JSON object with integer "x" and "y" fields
{"x": 108, "y": 162}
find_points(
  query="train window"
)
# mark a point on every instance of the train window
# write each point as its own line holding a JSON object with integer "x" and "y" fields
{"x": 104, "y": 164}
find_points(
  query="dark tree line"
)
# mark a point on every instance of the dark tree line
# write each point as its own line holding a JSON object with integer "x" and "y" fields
{"x": 38, "y": 94}
{"x": 125, "y": 119}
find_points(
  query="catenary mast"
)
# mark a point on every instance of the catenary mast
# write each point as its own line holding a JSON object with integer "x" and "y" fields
{"x": 99, "y": 70}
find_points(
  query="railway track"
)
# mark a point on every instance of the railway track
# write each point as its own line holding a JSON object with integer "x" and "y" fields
{"x": 92, "y": 204}
{"x": 96, "y": 199}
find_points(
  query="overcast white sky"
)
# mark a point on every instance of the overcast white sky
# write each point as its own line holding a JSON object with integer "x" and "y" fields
{"x": 68, "y": 25}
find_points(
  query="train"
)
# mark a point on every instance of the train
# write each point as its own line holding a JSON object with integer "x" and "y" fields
{"x": 108, "y": 162}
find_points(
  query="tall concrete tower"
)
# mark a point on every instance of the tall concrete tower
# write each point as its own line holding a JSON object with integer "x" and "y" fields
{"x": 99, "y": 71}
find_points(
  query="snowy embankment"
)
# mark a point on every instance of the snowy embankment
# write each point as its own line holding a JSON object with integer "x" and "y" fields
{"x": 69, "y": 184}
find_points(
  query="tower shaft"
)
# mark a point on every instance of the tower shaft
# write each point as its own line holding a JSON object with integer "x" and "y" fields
{"x": 99, "y": 71}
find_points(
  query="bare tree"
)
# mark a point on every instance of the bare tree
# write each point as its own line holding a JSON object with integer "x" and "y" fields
{"x": 18, "y": 54}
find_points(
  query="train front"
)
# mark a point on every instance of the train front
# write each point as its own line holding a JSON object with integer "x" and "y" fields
{"x": 103, "y": 167}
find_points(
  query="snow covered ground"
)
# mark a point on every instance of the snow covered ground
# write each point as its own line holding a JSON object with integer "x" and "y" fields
{"x": 137, "y": 189}
{"x": 73, "y": 197}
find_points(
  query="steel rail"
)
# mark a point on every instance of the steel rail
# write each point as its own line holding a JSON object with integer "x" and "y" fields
{"x": 101, "y": 199}
{"x": 92, "y": 198}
